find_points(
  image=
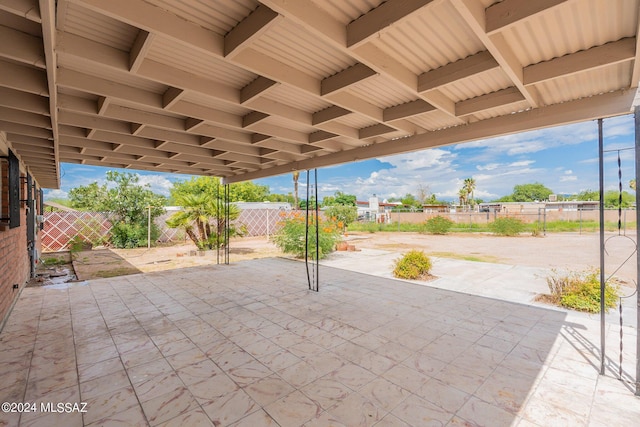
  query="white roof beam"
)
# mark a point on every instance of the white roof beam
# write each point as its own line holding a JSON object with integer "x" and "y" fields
{"x": 383, "y": 16}
{"x": 222, "y": 145}
{"x": 223, "y": 133}
{"x": 252, "y": 118}
{"x": 249, "y": 29}
{"x": 328, "y": 114}
{"x": 28, "y": 9}
{"x": 29, "y": 140}
{"x": 635, "y": 73}
{"x": 21, "y": 47}
{"x": 48, "y": 15}
{"x": 23, "y": 78}
{"x": 25, "y": 118}
{"x": 455, "y": 71}
{"x": 605, "y": 105}
{"x": 24, "y": 101}
{"x": 281, "y": 146}
{"x": 508, "y": 12}
{"x": 175, "y": 77}
{"x": 326, "y": 28}
{"x": 139, "y": 50}
{"x": 256, "y": 88}
{"x": 375, "y": 130}
{"x": 320, "y": 135}
{"x": 596, "y": 57}
{"x": 153, "y": 19}
{"x": 473, "y": 13}
{"x": 171, "y": 96}
{"x": 280, "y": 132}
{"x": 355, "y": 74}
{"x": 488, "y": 101}
{"x": 408, "y": 109}
{"x": 93, "y": 122}
{"x": 241, "y": 158}
{"x": 20, "y": 129}
{"x": 207, "y": 114}
{"x": 168, "y": 135}
{"x": 91, "y": 84}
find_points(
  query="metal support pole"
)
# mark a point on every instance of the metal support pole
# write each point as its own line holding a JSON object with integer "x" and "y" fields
{"x": 317, "y": 284}
{"x": 306, "y": 235}
{"x": 602, "y": 276}
{"x": 227, "y": 222}
{"x": 149, "y": 229}
{"x": 219, "y": 214}
{"x": 637, "y": 175}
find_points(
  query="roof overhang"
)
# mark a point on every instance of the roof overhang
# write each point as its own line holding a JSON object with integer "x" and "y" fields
{"x": 248, "y": 89}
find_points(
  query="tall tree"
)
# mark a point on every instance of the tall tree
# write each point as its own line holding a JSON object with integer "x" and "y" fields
{"x": 469, "y": 187}
{"x": 339, "y": 198}
{"x": 462, "y": 196}
{"x": 128, "y": 201}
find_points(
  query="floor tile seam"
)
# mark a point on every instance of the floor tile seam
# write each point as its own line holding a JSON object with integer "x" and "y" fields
{"x": 35, "y": 341}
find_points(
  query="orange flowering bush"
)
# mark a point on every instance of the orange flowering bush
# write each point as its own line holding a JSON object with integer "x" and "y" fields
{"x": 291, "y": 238}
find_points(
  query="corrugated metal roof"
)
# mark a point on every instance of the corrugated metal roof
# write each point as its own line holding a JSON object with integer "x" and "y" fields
{"x": 348, "y": 77}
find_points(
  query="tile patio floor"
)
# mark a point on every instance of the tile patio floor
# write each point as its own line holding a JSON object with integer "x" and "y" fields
{"x": 248, "y": 345}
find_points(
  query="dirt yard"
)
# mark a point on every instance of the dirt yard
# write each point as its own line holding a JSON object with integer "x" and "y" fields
{"x": 559, "y": 250}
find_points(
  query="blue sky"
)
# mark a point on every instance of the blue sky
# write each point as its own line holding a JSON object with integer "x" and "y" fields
{"x": 564, "y": 158}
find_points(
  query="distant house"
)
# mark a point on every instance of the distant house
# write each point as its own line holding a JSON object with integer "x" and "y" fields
{"x": 435, "y": 208}
{"x": 375, "y": 211}
{"x": 534, "y": 207}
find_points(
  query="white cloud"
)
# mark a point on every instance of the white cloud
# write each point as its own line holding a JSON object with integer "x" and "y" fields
{"x": 522, "y": 163}
{"x": 568, "y": 178}
{"x": 488, "y": 167}
{"x": 534, "y": 141}
{"x": 157, "y": 183}
{"x": 55, "y": 194}
{"x": 568, "y": 172}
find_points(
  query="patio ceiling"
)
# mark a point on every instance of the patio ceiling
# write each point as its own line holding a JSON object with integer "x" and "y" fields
{"x": 247, "y": 89}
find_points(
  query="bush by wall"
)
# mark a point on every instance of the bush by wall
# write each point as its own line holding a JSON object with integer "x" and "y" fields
{"x": 507, "y": 226}
{"x": 438, "y": 225}
{"x": 581, "y": 291}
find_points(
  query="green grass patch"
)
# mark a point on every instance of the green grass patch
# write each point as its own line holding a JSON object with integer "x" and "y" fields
{"x": 474, "y": 258}
{"x": 50, "y": 262}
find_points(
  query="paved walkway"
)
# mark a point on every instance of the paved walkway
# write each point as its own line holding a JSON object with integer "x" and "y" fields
{"x": 248, "y": 345}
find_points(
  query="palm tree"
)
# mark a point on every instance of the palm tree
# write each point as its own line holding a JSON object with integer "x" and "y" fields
{"x": 462, "y": 194}
{"x": 198, "y": 210}
{"x": 469, "y": 187}
{"x": 296, "y": 175}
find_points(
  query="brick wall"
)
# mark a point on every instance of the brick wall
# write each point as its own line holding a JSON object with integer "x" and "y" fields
{"x": 14, "y": 263}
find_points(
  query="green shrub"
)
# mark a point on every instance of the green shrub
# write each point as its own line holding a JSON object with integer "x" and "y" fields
{"x": 291, "y": 238}
{"x": 128, "y": 236}
{"x": 342, "y": 215}
{"x": 507, "y": 226}
{"x": 413, "y": 265}
{"x": 581, "y": 291}
{"x": 438, "y": 225}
